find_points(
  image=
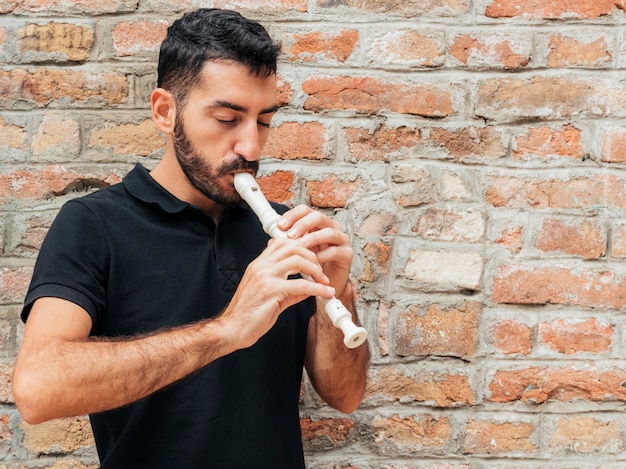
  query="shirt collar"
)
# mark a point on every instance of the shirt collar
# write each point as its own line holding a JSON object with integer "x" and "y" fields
{"x": 143, "y": 186}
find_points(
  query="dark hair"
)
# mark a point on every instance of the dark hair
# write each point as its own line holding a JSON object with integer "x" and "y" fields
{"x": 212, "y": 34}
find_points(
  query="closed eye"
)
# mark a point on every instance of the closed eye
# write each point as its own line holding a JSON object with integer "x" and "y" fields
{"x": 228, "y": 122}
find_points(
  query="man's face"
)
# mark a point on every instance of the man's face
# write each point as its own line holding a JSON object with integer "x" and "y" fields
{"x": 222, "y": 128}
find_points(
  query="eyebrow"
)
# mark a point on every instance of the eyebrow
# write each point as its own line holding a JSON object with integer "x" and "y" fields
{"x": 236, "y": 107}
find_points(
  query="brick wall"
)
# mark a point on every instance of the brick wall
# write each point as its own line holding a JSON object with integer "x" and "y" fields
{"x": 475, "y": 151}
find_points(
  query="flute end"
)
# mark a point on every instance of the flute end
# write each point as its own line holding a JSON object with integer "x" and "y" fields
{"x": 356, "y": 338}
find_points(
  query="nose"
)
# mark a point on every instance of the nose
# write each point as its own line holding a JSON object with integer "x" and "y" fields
{"x": 248, "y": 143}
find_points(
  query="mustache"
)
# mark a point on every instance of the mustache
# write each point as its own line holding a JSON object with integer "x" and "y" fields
{"x": 240, "y": 164}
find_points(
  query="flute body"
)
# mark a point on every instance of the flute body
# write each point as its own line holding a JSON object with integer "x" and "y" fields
{"x": 249, "y": 190}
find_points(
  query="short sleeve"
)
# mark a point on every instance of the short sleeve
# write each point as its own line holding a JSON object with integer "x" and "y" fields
{"x": 73, "y": 262}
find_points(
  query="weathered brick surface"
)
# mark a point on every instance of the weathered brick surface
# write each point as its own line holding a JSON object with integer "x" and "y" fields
{"x": 473, "y": 150}
{"x": 439, "y": 330}
{"x": 67, "y": 435}
{"x": 548, "y": 142}
{"x": 440, "y": 389}
{"x": 372, "y": 96}
{"x": 499, "y": 437}
{"x": 411, "y": 435}
{"x": 292, "y": 141}
{"x": 499, "y": 51}
{"x": 319, "y": 46}
{"x": 63, "y": 40}
{"x": 511, "y": 336}
{"x": 587, "y": 435}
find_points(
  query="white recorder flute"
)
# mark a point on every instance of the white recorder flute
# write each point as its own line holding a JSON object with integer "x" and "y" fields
{"x": 249, "y": 190}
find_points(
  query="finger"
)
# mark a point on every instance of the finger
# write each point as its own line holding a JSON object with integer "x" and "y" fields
{"x": 302, "y": 219}
{"x": 287, "y": 257}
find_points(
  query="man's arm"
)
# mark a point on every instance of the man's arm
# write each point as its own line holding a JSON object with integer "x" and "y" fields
{"x": 61, "y": 371}
{"x": 338, "y": 374}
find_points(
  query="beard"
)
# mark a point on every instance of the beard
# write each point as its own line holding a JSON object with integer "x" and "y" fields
{"x": 202, "y": 175}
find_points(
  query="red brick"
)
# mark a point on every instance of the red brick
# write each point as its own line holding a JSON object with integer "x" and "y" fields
{"x": 470, "y": 142}
{"x": 316, "y": 46}
{"x": 407, "y": 48}
{"x": 371, "y": 96}
{"x": 547, "y": 142}
{"x": 559, "y": 285}
{"x": 43, "y": 86}
{"x": 408, "y": 9}
{"x": 331, "y": 192}
{"x": 364, "y": 145}
{"x": 567, "y": 51}
{"x": 511, "y": 239}
{"x": 392, "y": 384}
{"x": 14, "y": 283}
{"x": 293, "y": 141}
{"x": 584, "y": 238}
{"x": 73, "y": 42}
{"x": 52, "y": 181}
{"x": 581, "y": 9}
{"x": 614, "y": 145}
{"x": 582, "y": 434}
{"x": 411, "y": 435}
{"x": 504, "y": 99}
{"x": 437, "y": 330}
{"x": 376, "y": 261}
{"x": 326, "y": 433}
{"x": 572, "y": 337}
{"x": 275, "y": 5}
{"x": 602, "y": 191}
{"x": 484, "y": 437}
{"x": 91, "y": 7}
{"x": 511, "y": 337}
{"x": 499, "y": 52}
{"x": 8, "y": 6}
{"x": 138, "y": 37}
{"x": 537, "y": 385}
{"x": 285, "y": 92}
{"x": 277, "y": 186}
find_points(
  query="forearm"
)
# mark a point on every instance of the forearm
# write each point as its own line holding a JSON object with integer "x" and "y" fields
{"x": 75, "y": 377}
{"x": 339, "y": 374}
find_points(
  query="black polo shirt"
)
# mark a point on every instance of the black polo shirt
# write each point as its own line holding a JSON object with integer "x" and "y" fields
{"x": 137, "y": 259}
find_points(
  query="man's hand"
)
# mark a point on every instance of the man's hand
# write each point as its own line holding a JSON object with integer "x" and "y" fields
{"x": 323, "y": 236}
{"x": 265, "y": 290}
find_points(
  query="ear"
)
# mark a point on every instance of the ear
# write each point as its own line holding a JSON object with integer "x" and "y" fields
{"x": 163, "y": 110}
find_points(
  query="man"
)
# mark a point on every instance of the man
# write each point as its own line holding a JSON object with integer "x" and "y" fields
{"x": 158, "y": 306}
